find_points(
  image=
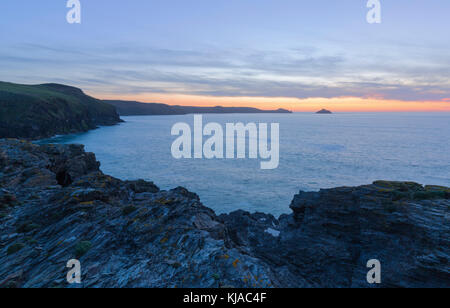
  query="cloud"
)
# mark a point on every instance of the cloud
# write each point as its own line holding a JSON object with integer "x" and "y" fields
{"x": 301, "y": 72}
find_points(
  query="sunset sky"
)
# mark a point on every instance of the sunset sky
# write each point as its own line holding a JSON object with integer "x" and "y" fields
{"x": 299, "y": 55}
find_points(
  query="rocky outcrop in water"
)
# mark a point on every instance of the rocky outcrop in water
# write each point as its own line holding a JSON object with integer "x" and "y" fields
{"x": 324, "y": 111}
{"x": 56, "y": 205}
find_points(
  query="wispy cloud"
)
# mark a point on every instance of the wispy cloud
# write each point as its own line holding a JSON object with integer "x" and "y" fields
{"x": 300, "y": 72}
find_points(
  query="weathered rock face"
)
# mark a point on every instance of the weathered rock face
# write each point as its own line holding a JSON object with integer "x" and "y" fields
{"x": 56, "y": 205}
{"x": 334, "y": 233}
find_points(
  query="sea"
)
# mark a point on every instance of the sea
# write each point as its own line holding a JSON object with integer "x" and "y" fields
{"x": 316, "y": 151}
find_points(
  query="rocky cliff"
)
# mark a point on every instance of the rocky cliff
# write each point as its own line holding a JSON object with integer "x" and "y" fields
{"x": 56, "y": 205}
{"x": 42, "y": 111}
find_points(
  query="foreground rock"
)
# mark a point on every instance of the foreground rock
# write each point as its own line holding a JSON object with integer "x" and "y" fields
{"x": 56, "y": 205}
{"x": 333, "y": 233}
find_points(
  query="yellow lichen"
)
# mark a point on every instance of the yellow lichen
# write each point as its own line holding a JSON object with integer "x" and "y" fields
{"x": 164, "y": 201}
{"x": 87, "y": 203}
{"x": 235, "y": 263}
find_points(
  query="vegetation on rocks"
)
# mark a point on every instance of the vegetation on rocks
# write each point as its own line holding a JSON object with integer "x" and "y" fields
{"x": 82, "y": 248}
{"x": 411, "y": 190}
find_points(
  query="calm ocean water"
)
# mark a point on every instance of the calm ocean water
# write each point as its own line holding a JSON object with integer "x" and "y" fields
{"x": 316, "y": 151}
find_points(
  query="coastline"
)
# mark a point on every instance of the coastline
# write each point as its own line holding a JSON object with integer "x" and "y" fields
{"x": 58, "y": 205}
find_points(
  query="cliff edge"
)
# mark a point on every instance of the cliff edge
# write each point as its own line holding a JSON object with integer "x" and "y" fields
{"x": 42, "y": 111}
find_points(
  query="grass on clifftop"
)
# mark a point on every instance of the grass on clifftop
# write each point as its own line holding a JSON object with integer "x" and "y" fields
{"x": 18, "y": 98}
{"x": 34, "y": 111}
{"x": 411, "y": 190}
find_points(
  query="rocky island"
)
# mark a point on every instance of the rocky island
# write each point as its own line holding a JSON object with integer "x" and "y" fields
{"x": 324, "y": 111}
{"x": 56, "y": 205}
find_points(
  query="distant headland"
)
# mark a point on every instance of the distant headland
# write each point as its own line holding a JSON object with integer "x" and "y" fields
{"x": 129, "y": 108}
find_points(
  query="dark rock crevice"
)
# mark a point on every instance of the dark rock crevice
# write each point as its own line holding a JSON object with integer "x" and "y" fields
{"x": 63, "y": 178}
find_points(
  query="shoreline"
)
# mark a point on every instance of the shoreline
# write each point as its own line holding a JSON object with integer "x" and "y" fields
{"x": 247, "y": 205}
{"x": 57, "y": 205}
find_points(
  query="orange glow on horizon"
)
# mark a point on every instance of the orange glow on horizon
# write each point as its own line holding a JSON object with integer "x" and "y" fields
{"x": 337, "y": 104}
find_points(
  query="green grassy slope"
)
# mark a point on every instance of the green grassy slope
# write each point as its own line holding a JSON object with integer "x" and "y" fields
{"x": 40, "y": 111}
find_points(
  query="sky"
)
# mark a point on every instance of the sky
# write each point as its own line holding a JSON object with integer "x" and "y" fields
{"x": 295, "y": 54}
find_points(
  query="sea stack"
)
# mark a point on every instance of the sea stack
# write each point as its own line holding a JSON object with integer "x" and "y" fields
{"x": 324, "y": 111}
